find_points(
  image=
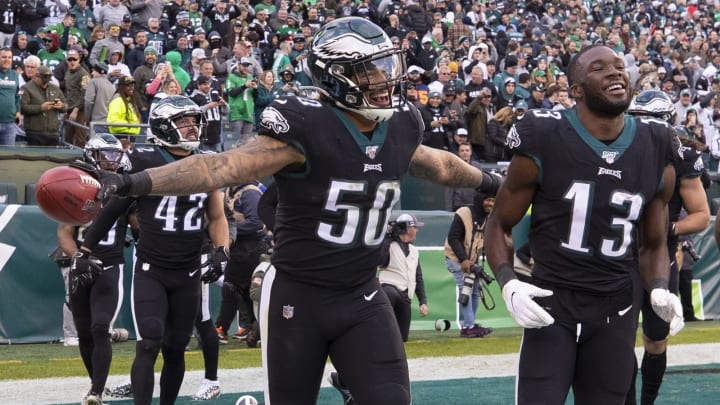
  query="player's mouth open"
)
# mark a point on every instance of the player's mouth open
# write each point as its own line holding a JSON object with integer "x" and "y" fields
{"x": 617, "y": 88}
{"x": 380, "y": 98}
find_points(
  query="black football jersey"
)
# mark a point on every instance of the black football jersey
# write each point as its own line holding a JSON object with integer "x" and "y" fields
{"x": 110, "y": 249}
{"x": 332, "y": 214}
{"x": 691, "y": 165}
{"x": 172, "y": 228}
{"x": 590, "y": 196}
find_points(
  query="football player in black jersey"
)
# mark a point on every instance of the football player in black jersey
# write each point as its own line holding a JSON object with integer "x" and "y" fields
{"x": 96, "y": 302}
{"x": 338, "y": 162}
{"x": 599, "y": 183}
{"x": 166, "y": 280}
{"x": 690, "y": 194}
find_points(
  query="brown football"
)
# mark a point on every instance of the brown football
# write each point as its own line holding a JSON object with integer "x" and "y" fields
{"x": 68, "y": 195}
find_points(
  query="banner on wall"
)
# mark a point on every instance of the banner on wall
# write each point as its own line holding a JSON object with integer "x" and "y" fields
{"x": 32, "y": 292}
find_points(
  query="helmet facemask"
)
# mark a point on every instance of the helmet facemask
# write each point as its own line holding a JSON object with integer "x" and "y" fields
{"x": 177, "y": 139}
{"x": 168, "y": 132}
{"x": 354, "y": 63}
{"x": 104, "y": 152}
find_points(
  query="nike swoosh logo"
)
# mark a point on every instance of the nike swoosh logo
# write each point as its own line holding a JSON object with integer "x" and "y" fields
{"x": 281, "y": 101}
{"x": 192, "y": 273}
{"x": 624, "y": 311}
{"x": 370, "y": 296}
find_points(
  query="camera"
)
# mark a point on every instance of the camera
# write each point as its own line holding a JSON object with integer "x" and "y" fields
{"x": 480, "y": 272}
{"x": 469, "y": 280}
{"x": 688, "y": 247}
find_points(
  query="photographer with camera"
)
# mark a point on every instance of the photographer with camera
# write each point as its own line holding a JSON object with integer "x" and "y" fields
{"x": 463, "y": 248}
{"x": 399, "y": 271}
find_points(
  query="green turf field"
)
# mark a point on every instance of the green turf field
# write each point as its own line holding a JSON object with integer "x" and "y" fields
{"x": 54, "y": 360}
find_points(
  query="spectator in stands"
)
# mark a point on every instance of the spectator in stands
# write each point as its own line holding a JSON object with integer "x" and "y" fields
{"x": 220, "y": 17}
{"x": 136, "y": 56}
{"x": 98, "y": 94}
{"x": 76, "y": 81}
{"x": 210, "y": 101}
{"x": 477, "y": 116}
{"x": 169, "y": 87}
{"x": 56, "y": 11}
{"x": 104, "y": 47}
{"x": 116, "y": 67}
{"x": 143, "y": 10}
{"x": 84, "y": 17}
{"x": 9, "y": 98}
{"x": 507, "y": 96}
{"x": 461, "y": 197}
{"x": 267, "y": 92}
{"x": 123, "y": 110}
{"x": 20, "y": 49}
{"x": 112, "y": 13}
{"x": 32, "y": 16}
{"x": 174, "y": 59}
{"x": 242, "y": 89}
{"x": 497, "y": 130}
{"x": 437, "y": 121}
{"x": 40, "y": 104}
{"x": 51, "y": 55}
{"x": 537, "y": 96}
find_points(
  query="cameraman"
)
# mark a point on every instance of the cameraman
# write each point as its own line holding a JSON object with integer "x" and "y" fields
{"x": 399, "y": 271}
{"x": 463, "y": 248}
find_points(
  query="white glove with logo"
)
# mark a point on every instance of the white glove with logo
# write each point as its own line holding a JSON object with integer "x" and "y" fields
{"x": 668, "y": 307}
{"x": 524, "y": 310}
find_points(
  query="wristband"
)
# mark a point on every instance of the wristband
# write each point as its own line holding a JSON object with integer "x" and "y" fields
{"x": 658, "y": 283}
{"x": 489, "y": 184}
{"x": 504, "y": 273}
{"x": 140, "y": 183}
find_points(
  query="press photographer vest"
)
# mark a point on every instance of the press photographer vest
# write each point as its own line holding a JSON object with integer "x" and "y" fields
{"x": 401, "y": 269}
{"x": 473, "y": 242}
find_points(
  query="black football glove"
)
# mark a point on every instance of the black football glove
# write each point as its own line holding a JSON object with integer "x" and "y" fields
{"x": 84, "y": 269}
{"x": 123, "y": 185}
{"x": 217, "y": 262}
{"x": 86, "y": 167}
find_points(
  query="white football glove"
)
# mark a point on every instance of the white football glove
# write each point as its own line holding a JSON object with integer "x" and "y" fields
{"x": 668, "y": 307}
{"x": 523, "y": 309}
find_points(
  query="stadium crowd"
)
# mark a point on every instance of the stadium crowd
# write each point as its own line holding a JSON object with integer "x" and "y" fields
{"x": 472, "y": 65}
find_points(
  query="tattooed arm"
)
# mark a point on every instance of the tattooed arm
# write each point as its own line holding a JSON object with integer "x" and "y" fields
{"x": 444, "y": 168}
{"x": 257, "y": 159}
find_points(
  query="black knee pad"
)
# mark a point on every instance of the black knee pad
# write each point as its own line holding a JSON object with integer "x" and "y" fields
{"x": 151, "y": 328}
{"x": 100, "y": 329}
{"x": 149, "y": 346}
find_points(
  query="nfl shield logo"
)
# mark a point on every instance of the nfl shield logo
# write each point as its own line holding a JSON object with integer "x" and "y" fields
{"x": 371, "y": 151}
{"x": 288, "y": 311}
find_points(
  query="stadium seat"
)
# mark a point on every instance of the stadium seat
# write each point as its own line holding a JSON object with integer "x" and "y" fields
{"x": 8, "y": 193}
{"x": 30, "y": 194}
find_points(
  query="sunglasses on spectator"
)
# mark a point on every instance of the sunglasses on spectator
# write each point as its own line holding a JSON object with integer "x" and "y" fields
{"x": 72, "y": 59}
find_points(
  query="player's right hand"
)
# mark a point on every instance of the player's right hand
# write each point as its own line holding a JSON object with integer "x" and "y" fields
{"x": 84, "y": 269}
{"x": 668, "y": 307}
{"x": 523, "y": 309}
{"x": 114, "y": 184}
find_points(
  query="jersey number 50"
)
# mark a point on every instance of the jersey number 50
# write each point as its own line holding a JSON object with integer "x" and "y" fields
{"x": 370, "y": 223}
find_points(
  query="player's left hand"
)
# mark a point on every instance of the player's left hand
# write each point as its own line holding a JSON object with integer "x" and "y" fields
{"x": 86, "y": 167}
{"x": 668, "y": 307}
{"x": 84, "y": 269}
{"x": 217, "y": 262}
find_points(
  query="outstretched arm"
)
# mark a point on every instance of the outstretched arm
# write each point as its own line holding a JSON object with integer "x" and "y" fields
{"x": 448, "y": 169}
{"x": 254, "y": 160}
